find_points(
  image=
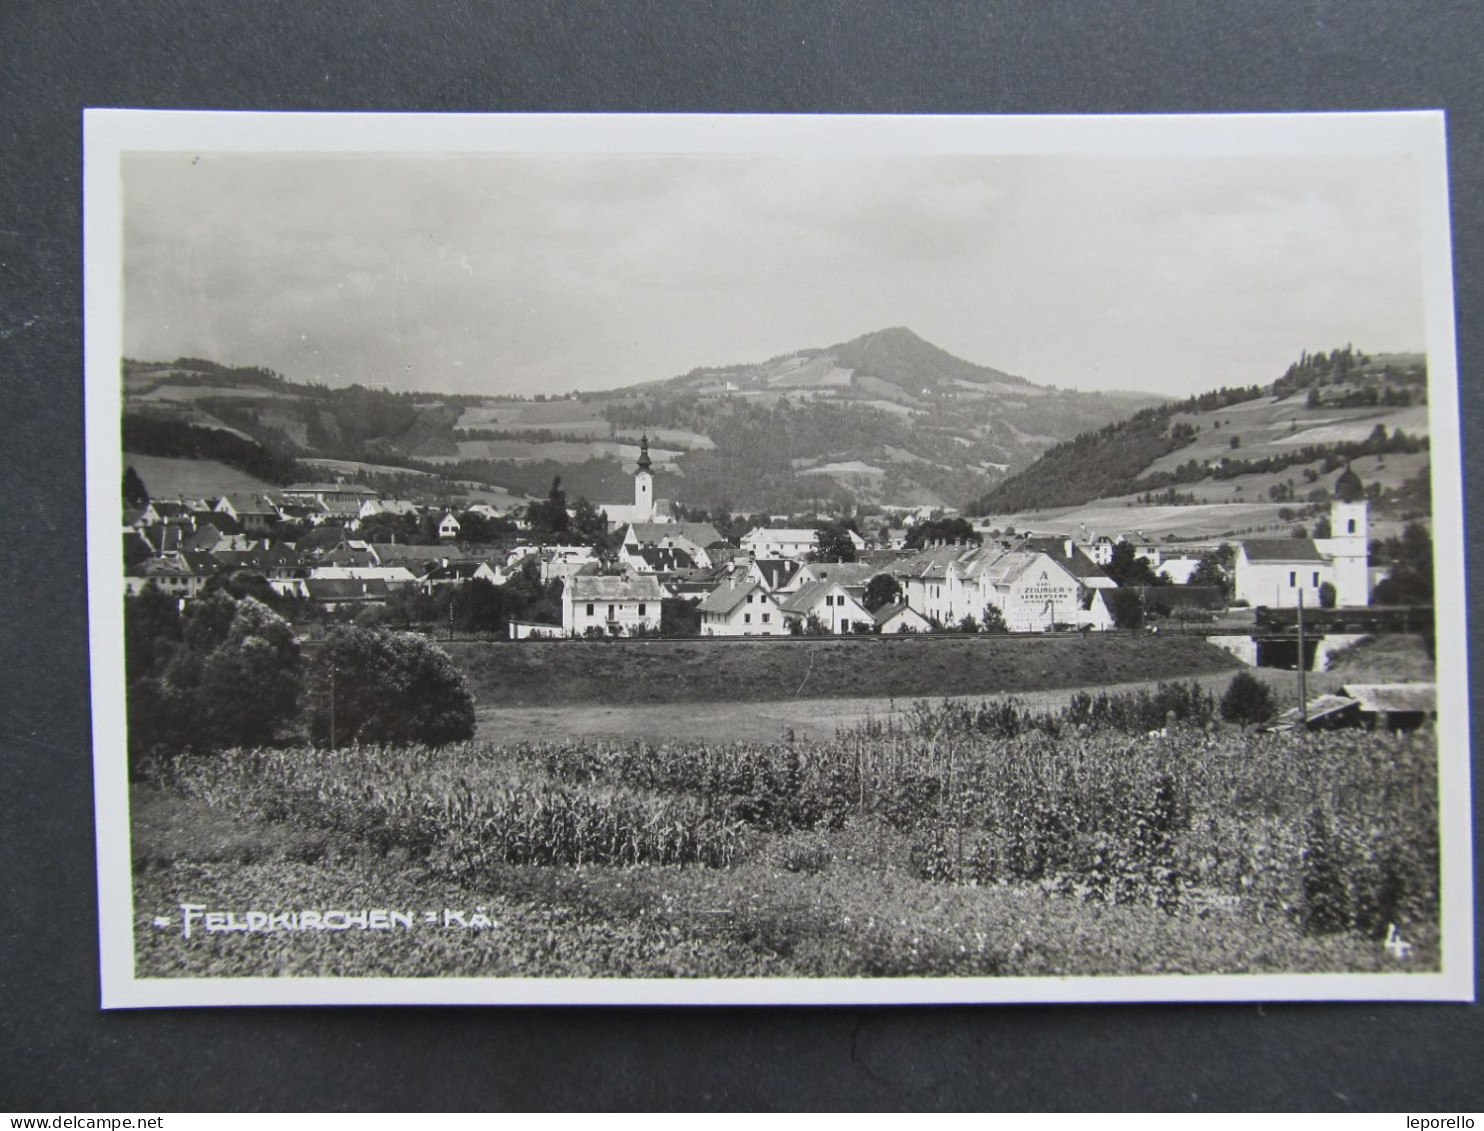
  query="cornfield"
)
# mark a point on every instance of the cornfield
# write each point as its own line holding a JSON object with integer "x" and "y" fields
{"x": 1337, "y": 832}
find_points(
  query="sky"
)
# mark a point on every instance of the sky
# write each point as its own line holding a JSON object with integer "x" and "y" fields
{"x": 533, "y": 274}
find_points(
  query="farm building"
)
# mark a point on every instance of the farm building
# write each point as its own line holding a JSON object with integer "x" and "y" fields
{"x": 1389, "y": 706}
{"x": 613, "y": 605}
{"x": 741, "y": 608}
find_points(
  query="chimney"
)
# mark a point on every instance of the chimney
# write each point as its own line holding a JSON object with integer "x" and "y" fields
{"x": 1068, "y": 545}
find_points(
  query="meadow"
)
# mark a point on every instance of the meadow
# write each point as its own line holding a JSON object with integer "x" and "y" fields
{"x": 1117, "y": 834}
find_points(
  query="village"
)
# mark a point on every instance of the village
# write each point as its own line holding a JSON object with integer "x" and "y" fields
{"x": 774, "y": 581}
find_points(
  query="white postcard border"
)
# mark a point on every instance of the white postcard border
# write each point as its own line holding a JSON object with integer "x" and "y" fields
{"x": 109, "y": 134}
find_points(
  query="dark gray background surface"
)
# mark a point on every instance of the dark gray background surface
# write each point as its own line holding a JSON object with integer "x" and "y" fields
{"x": 59, "y": 1052}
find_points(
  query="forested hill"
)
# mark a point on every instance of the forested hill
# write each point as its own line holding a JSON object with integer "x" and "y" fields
{"x": 883, "y": 418}
{"x": 1324, "y": 409}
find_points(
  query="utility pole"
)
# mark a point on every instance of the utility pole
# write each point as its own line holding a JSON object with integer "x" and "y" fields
{"x": 1302, "y": 674}
{"x": 332, "y": 703}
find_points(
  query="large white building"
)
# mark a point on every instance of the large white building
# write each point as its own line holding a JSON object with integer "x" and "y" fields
{"x": 1031, "y": 590}
{"x": 1276, "y": 572}
{"x": 616, "y": 606}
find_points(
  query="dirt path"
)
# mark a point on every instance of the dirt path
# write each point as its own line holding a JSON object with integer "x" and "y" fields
{"x": 767, "y": 721}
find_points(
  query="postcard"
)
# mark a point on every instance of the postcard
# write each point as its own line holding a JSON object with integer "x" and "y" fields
{"x": 704, "y": 559}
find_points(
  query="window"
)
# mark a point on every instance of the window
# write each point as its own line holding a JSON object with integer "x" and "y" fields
{"x": 767, "y": 617}
{"x": 1292, "y": 579}
{"x": 610, "y": 612}
{"x": 641, "y": 609}
{"x": 749, "y": 598}
{"x": 1316, "y": 580}
{"x": 746, "y": 618}
{"x": 1350, "y": 527}
{"x": 589, "y": 609}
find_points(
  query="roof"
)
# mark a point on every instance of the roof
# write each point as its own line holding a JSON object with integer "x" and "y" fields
{"x": 608, "y": 587}
{"x": 666, "y": 558}
{"x": 726, "y": 597}
{"x": 457, "y": 571}
{"x": 1282, "y": 550}
{"x": 1079, "y": 565}
{"x": 776, "y": 572}
{"x": 345, "y": 589}
{"x": 896, "y": 609}
{"x": 805, "y": 535}
{"x": 806, "y": 597}
{"x": 1319, "y": 708}
{"x": 846, "y": 573}
{"x": 703, "y": 534}
{"x": 1384, "y": 698}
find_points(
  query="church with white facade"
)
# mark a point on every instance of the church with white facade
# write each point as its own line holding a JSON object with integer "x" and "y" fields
{"x": 646, "y": 508}
{"x": 1279, "y": 572}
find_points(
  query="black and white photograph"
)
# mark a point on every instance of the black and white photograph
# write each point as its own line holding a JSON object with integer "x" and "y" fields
{"x": 648, "y": 559}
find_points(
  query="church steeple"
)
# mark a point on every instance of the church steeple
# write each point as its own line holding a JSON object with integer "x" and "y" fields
{"x": 644, "y": 485}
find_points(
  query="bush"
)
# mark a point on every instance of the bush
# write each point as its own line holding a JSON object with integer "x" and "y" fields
{"x": 1247, "y": 700}
{"x": 372, "y": 686}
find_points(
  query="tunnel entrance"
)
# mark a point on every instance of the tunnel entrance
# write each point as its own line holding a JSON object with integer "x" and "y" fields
{"x": 1284, "y": 654}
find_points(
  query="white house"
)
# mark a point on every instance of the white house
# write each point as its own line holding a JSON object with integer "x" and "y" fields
{"x": 615, "y": 606}
{"x": 779, "y": 542}
{"x": 741, "y": 608}
{"x": 900, "y": 617}
{"x": 837, "y": 610}
{"x": 448, "y": 526}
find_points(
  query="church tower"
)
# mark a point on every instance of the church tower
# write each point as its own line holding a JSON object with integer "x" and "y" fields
{"x": 1349, "y": 540}
{"x": 644, "y": 485}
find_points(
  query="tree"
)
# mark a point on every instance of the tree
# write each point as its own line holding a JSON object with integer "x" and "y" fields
{"x": 1127, "y": 607}
{"x": 1126, "y": 568}
{"x": 549, "y": 518}
{"x": 1411, "y": 579}
{"x": 373, "y": 686}
{"x": 1214, "y": 569}
{"x": 992, "y": 620}
{"x": 1328, "y": 596}
{"x": 942, "y": 530}
{"x": 1247, "y": 700}
{"x": 968, "y": 623}
{"x": 224, "y": 673}
{"x": 832, "y": 544}
{"x": 135, "y": 493}
{"x": 882, "y": 590}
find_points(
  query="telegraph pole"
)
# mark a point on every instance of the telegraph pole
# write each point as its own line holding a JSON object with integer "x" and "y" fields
{"x": 1303, "y": 682}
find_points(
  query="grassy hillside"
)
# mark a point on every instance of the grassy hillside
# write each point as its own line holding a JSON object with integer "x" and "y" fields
{"x": 568, "y": 673}
{"x": 1282, "y": 444}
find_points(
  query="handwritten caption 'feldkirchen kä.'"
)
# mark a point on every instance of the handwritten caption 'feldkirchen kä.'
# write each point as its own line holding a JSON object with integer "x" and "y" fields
{"x": 195, "y": 918}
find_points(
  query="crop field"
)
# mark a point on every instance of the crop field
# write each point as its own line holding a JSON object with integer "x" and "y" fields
{"x": 1121, "y": 834}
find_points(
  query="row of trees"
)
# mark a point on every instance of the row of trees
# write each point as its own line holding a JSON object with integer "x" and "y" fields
{"x": 231, "y": 672}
